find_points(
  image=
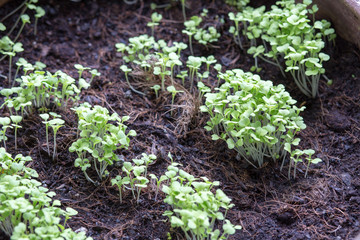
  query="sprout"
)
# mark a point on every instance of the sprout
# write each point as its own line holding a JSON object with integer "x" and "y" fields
{"x": 56, "y": 124}
{"x": 16, "y": 120}
{"x": 173, "y": 92}
{"x": 156, "y": 88}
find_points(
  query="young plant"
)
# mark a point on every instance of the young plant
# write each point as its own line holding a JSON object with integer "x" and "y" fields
{"x": 27, "y": 209}
{"x": 45, "y": 117}
{"x": 120, "y": 182}
{"x": 155, "y": 19}
{"x": 162, "y": 70}
{"x": 173, "y": 92}
{"x": 194, "y": 64}
{"x": 5, "y": 123}
{"x": 196, "y": 208}
{"x": 40, "y": 12}
{"x": 16, "y": 120}
{"x": 156, "y": 88}
{"x": 191, "y": 29}
{"x": 55, "y": 124}
{"x": 99, "y": 139}
{"x": 286, "y": 34}
{"x": 126, "y": 70}
{"x": 254, "y": 117}
{"x": 182, "y": 75}
{"x": 158, "y": 182}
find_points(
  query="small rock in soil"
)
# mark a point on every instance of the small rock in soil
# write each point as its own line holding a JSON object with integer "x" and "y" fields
{"x": 128, "y": 94}
{"x": 346, "y": 178}
{"x": 63, "y": 51}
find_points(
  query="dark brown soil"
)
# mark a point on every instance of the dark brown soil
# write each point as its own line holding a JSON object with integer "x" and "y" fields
{"x": 267, "y": 205}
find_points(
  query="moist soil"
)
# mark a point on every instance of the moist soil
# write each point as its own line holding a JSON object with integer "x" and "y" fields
{"x": 268, "y": 205}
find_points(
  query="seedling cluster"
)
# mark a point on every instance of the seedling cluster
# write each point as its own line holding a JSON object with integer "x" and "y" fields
{"x": 27, "y": 209}
{"x": 254, "y": 117}
{"x": 99, "y": 139}
{"x": 286, "y": 34}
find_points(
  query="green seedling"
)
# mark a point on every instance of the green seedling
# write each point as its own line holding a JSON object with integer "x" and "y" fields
{"x": 16, "y": 120}
{"x": 24, "y": 19}
{"x": 182, "y": 75}
{"x": 5, "y": 123}
{"x": 180, "y": 46}
{"x": 162, "y": 70}
{"x": 189, "y": 198}
{"x": 81, "y": 69}
{"x": 45, "y": 117}
{"x": 173, "y": 92}
{"x": 191, "y": 29}
{"x": 155, "y": 19}
{"x": 55, "y": 124}
{"x": 120, "y": 183}
{"x": 126, "y": 70}
{"x": 286, "y": 34}
{"x": 156, "y": 88}
{"x": 194, "y": 64}
{"x": 40, "y": 12}
{"x": 253, "y": 116}
{"x": 239, "y": 4}
{"x": 94, "y": 73}
{"x": 101, "y": 135}
{"x": 183, "y": 4}
{"x": 158, "y": 182}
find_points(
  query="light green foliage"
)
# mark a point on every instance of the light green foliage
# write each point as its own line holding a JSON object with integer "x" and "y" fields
{"x": 196, "y": 209}
{"x": 39, "y": 89}
{"x": 16, "y": 120}
{"x": 202, "y": 35}
{"x": 239, "y": 4}
{"x": 27, "y": 210}
{"x": 254, "y": 117}
{"x": 136, "y": 176}
{"x": 157, "y": 58}
{"x": 156, "y": 88}
{"x": 56, "y": 123}
{"x": 99, "y": 139}
{"x": 173, "y": 92}
{"x": 9, "y": 47}
{"x": 155, "y": 19}
{"x": 5, "y": 123}
{"x": 286, "y": 33}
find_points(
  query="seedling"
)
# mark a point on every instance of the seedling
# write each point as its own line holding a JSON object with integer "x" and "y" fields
{"x": 99, "y": 139}
{"x": 16, "y": 120}
{"x": 40, "y": 12}
{"x": 5, "y": 123}
{"x": 173, "y": 92}
{"x": 126, "y": 70}
{"x": 287, "y": 35}
{"x": 191, "y": 212}
{"x": 120, "y": 182}
{"x": 191, "y": 28}
{"x": 257, "y": 118}
{"x": 155, "y": 19}
{"x": 45, "y": 117}
{"x": 182, "y": 75}
{"x": 194, "y": 64}
{"x": 55, "y": 124}
{"x": 156, "y": 88}
{"x": 158, "y": 182}
{"x": 94, "y": 73}
{"x": 162, "y": 70}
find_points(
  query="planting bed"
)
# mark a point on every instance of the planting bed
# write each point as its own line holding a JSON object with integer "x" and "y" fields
{"x": 325, "y": 205}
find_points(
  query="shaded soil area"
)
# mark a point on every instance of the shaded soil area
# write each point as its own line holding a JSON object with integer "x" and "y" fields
{"x": 267, "y": 205}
